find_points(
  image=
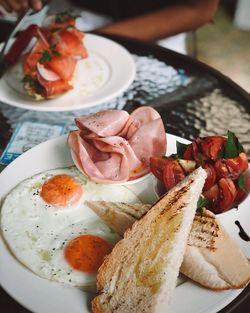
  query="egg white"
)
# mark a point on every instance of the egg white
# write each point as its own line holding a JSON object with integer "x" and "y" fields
{"x": 37, "y": 233}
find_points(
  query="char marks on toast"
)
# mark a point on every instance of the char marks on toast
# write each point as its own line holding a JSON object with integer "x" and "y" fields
{"x": 141, "y": 272}
{"x": 120, "y": 216}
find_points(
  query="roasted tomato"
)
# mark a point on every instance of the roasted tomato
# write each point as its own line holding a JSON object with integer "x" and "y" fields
{"x": 212, "y": 194}
{"x": 173, "y": 173}
{"x": 231, "y": 168}
{"x": 157, "y": 165}
{"x": 228, "y": 178}
{"x": 243, "y": 161}
{"x": 211, "y": 146}
{"x": 227, "y": 195}
{"x": 192, "y": 151}
{"x": 211, "y": 176}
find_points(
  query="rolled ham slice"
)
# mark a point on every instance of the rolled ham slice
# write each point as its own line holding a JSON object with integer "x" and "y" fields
{"x": 114, "y": 147}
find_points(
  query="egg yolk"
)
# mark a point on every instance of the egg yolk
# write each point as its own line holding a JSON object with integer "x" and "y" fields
{"x": 86, "y": 253}
{"x": 61, "y": 190}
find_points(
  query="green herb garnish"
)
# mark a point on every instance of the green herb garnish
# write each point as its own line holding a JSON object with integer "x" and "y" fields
{"x": 47, "y": 55}
{"x": 56, "y": 29}
{"x": 231, "y": 150}
{"x": 69, "y": 27}
{"x": 180, "y": 148}
{"x": 202, "y": 203}
{"x": 241, "y": 181}
{"x": 64, "y": 16}
{"x": 33, "y": 83}
{"x": 233, "y": 147}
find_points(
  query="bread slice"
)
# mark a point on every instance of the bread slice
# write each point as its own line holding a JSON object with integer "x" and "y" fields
{"x": 220, "y": 268}
{"x": 206, "y": 260}
{"x": 120, "y": 216}
{"x": 140, "y": 273}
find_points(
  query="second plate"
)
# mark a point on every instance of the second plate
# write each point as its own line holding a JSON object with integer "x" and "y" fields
{"x": 106, "y": 73}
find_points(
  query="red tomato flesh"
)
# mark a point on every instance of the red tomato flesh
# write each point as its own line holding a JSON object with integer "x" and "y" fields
{"x": 211, "y": 176}
{"x": 157, "y": 165}
{"x": 173, "y": 173}
{"x": 227, "y": 195}
{"x": 211, "y": 147}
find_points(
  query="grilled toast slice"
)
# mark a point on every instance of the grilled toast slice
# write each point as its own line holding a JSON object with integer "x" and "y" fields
{"x": 211, "y": 259}
{"x": 120, "y": 216}
{"x": 140, "y": 273}
{"x": 220, "y": 267}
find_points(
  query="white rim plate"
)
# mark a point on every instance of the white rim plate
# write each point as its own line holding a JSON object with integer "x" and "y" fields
{"x": 42, "y": 296}
{"x": 114, "y": 62}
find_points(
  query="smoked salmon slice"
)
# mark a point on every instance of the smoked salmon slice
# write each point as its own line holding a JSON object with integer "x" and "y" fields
{"x": 31, "y": 58}
{"x": 50, "y": 65}
{"x": 62, "y": 65}
{"x": 53, "y": 88}
{"x": 67, "y": 42}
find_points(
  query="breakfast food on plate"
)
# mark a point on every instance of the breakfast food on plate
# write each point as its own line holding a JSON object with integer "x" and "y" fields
{"x": 226, "y": 164}
{"x": 50, "y": 64}
{"x": 119, "y": 216}
{"x": 212, "y": 258}
{"x": 220, "y": 267}
{"x": 113, "y": 146}
{"x": 140, "y": 273}
{"x": 48, "y": 227}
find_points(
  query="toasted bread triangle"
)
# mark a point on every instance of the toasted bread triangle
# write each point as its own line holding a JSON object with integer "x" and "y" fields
{"x": 120, "y": 216}
{"x": 141, "y": 272}
{"x": 205, "y": 259}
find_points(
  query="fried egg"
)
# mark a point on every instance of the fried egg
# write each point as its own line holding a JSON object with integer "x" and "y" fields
{"x": 48, "y": 227}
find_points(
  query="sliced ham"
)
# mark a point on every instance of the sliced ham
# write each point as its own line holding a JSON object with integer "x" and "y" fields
{"x": 103, "y": 124}
{"x": 115, "y": 168}
{"x": 113, "y": 146}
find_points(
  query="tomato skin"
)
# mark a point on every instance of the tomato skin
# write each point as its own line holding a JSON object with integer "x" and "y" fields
{"x": 221, "y": 186}
{"x": 157, "y": 165}
{"x": 211, "y": 176}
{"x": 243, "y": 161}
{"x": 211, "y": 146}
{"x": 240, "y": 196}
{"x": 212, "y": 194}
{"x": 227, "y": 168}
{"x": 231, "y": 168}
{"x": 227, "y": 195}
{"x": 173, "y": 173}
{"x": 192, "y": 151}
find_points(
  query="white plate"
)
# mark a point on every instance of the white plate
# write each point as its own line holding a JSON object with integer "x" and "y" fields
{"x": 42, "y": 296}
{"x": 105, "y": 74}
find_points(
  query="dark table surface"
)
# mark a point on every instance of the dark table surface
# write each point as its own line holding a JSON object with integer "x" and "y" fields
{"x": 207, "y": 103}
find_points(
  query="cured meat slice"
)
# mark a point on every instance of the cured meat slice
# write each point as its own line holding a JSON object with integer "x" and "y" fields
{"x": 53, "y": 88}
{"x": 103, "y": 151}
{"x": 68, "y": 43}
{"x": 31, "y": 59}
{"x": 103, "y": 124}
{"x": 50, "y": 65}
{"x": 62, "y": 65}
